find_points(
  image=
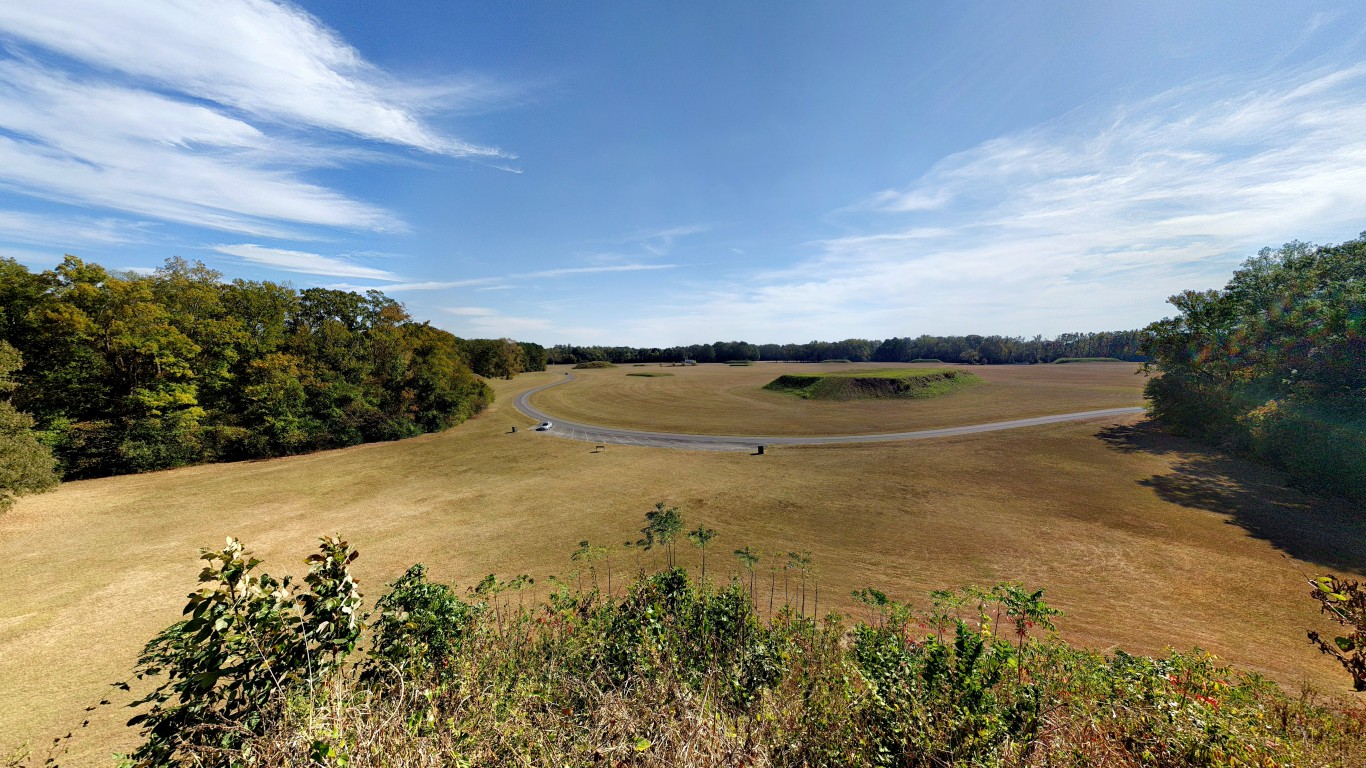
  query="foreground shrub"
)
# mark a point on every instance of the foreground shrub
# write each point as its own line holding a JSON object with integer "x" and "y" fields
{"x": 680, "y": 673}
{"x": 248, "y": 642}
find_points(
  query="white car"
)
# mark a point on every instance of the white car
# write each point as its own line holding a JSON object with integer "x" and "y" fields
{"x": 543, "y": 426}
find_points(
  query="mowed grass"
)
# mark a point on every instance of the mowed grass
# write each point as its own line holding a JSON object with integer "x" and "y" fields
{"x": 1145, "y": 541}
{"x": 721, "y": 400}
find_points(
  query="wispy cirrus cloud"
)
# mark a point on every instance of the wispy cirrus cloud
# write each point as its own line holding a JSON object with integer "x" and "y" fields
{"x": 596, "y": 270}
{"x": 303, "y": 262}
{"x": 440, "y": 285}
{"x": 487, "y": 322}
{"x": 471, "y": 311}
{"x": 206, "y": 115}
{"x": 24, "y": 227}
{"x": 1077, "y": 224}
{"x": 265, "y": 58}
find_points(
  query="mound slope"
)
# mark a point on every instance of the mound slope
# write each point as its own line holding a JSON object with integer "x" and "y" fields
{"x": 914, "y": 384}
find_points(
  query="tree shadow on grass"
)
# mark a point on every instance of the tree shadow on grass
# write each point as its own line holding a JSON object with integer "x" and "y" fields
{"x": 1327, "y": 532}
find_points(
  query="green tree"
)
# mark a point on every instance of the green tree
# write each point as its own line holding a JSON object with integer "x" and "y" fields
{"x": 26, "y": 465}
{"x": 1272, "y": 364}
{"x": 662, "y": 526}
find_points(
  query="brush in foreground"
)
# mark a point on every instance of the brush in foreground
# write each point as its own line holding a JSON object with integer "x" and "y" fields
{"x": 677, "y": 672}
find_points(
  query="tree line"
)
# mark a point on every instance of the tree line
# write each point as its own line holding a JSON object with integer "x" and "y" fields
{"x": 1123, "y": 345}
{"x": 125, "y": 373}
{"x": 1274, "y": 365}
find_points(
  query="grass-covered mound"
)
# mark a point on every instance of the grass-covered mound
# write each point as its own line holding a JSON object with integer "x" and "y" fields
{"x": 916, "y": 383}
{"x": 1088, "y": 360}
{"x": 651, "y": 374}
{"x": 596, "y": 364}
{"x": 667, "y": 671}
{"x": 934, "y": 360}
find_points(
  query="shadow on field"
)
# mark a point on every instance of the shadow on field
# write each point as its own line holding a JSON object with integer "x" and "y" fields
{"x": 1326, "y": 532}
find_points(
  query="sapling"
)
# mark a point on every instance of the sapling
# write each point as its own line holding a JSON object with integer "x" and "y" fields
{"x": 748, "y": 559}
{"x": 701, "y": 537}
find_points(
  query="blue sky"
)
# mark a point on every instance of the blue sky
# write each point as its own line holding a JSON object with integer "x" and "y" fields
{"x": 664, "y": 173}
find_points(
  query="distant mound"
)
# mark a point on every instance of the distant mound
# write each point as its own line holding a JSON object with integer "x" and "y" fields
{"x": 651, "y": 374}
{"x": 912, "y": 384}
{"x": 595, "y": 364}
{"x": 739, "y": 362}
{"x": 1088, "y": 360}
{"x": 928, "y": 360}
{"x": 837, "y": 360}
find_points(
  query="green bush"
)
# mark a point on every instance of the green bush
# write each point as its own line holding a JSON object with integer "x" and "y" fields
{"x": 248, "y": 641}
{"x": 419, "y": 628}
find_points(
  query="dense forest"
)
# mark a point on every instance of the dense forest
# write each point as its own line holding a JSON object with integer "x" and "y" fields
{"x": 1124, "y": 345}
{"x": 130, "y": 373}
{"x": 1274, "y": 365}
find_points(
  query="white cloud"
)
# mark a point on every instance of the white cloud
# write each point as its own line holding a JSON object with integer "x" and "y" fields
{"x": 39, "y": 229}
{"x": 595, "y": 270}
{"x": 265, "y": 58}
{"x": 442, "y": 285}
{"x": 300, "y": 261}
{"x": 470, "y": 311}
{"x": 428, "y": 285}
{"x": 494, "y": 325}
{"x": 205, "y": 114}
{"x": 1076, "y": 225}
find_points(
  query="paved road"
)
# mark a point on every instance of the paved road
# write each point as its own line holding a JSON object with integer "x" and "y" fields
{"x": 611, "y": 436}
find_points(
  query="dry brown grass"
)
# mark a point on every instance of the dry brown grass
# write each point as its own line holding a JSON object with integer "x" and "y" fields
{"x": 1144, "y": 540}
{"x": 728, "y": 400}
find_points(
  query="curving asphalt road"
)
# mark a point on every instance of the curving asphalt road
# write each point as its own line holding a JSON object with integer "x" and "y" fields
{"x": 609, "y": 435}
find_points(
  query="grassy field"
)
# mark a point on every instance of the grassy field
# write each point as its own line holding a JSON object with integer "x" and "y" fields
{"x": 720, "y": 400}
{"x": 1146, "y": 541}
